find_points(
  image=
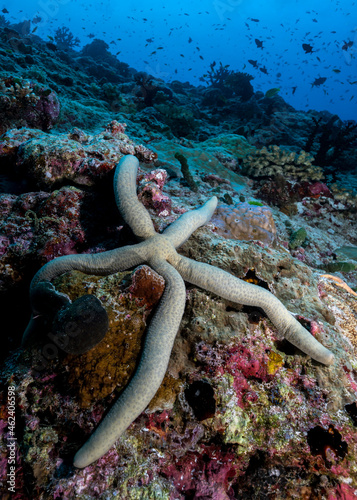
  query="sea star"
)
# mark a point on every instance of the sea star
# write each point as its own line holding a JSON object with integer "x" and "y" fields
{"x": 159, "y": 251}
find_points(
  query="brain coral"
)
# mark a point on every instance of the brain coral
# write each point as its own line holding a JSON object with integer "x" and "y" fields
{"x": 246, "y": 222}
{"x": 274, "y": 160}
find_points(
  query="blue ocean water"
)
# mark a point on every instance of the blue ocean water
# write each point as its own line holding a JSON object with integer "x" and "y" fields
{"x": 307, "y": 49}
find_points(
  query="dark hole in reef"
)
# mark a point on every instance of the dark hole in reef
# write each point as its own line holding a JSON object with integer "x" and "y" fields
{"x": 256, "y": 461}
{"x": 321, "y": 440}
{"x": 200, "y": 396}
{"x": 352, "y": 412}
{"x": 285, "y": 347}
{"x": 251, "y": 277}
{"x": 255, "y": 314}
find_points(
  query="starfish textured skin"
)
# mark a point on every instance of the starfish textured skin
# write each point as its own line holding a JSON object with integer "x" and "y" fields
{"x": 159, "y": 251}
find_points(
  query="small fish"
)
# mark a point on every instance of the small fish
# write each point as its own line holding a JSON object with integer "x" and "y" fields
{"x": 272, "y": 92}
{"x": 347, "y": 45}
{"x": 336, "y": 70}
{"x": 263, "y": 70}
{"x": 90, "y": 35}
{"x": 318, "y": 81}
{"x": 254, "y": 20}
{"x": 307, "y": 48}
{"x": 259, "y": 43}
{"x": 189, "y": 40}
{"x": 5, "y": 11}
{"x": 201, "y": 57}
{"x": 34, "y": 30}
{"x": 253, "y": 63}
{"x": 294, "y": 90}
{"x": 149, "y": 40}
{"x": 50, "y": 37}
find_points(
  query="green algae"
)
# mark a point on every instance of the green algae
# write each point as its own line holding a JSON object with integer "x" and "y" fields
{"x": 297, "y": 238}
{"x": 343, "y": 266}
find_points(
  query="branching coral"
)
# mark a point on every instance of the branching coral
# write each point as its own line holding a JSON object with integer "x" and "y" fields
{"x": 229, "y": 82}
{"x": 64, "y": 38}
{"x": 15, "y": 93}
{"x": 273, "y": 160}
{"x": 332, "y": 139}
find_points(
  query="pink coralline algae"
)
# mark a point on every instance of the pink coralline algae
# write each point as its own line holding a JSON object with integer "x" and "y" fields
{"x": 46, "y": 160}
{"x": 206, "y": 473}
{"x": 37, "y": 227}
{"x": 317, "y": 189}
{"x": 12, "y": 139}
{"x": 151, "y": 195}
{"x": 146, "y": 287}
{"x": 27, "y": 104}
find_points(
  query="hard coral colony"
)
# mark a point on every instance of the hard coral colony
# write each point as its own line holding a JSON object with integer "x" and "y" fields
{"x": 159, "y": 251}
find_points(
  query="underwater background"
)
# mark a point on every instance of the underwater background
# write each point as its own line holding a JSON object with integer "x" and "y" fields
{"x": 253, "y": 102}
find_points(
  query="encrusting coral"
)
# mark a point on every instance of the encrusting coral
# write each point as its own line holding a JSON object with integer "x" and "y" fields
{"x": 158, "y": 250}
{"x": 274, "y": 160}
{"x": 246, "y": 222}
{"x": 23, "y": 102}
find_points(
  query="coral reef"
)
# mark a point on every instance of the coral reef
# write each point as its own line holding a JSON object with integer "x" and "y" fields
{"x": 49, "y": 160}
{"x": 65, "y": 39}
{"x": 246, "y": 222}
{"x": 333, "y": 140}
{"x": 274, "y": 160}
{"x": 229, "y": 82}
{"x": 240, "y": 413}
{"x": 24, "y": 103}
{"x": 109, "y": 366}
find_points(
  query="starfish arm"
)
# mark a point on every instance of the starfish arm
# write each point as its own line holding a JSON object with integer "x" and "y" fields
{"x": 180, "y": 230}
{"x": 229, "y": 287}
{"x": 151, "y": 370}
{"x": 133, "y": 212}
{"x": 100, "y": 264}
